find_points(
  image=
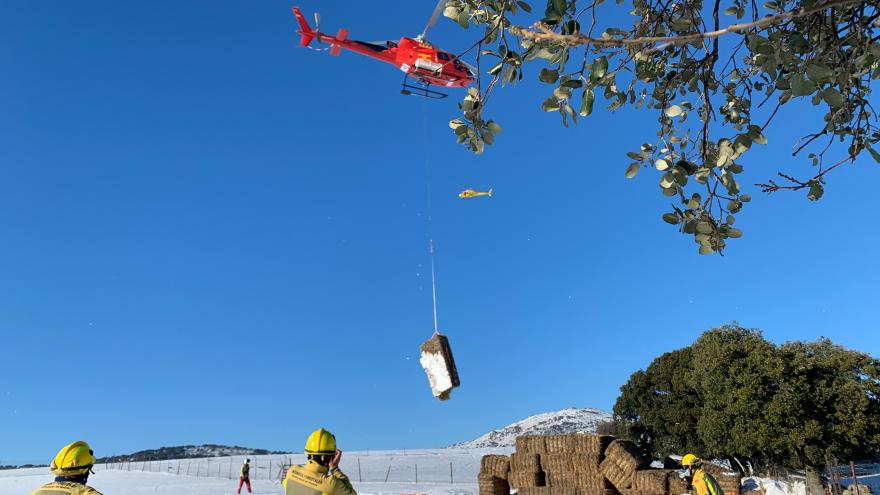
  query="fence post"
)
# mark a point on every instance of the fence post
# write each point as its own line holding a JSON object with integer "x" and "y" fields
{"x": 417, "y": 472}
{"x": 450, "y": 472}
{"x": 360, "y": 478}
{"x": 387, "y": 473}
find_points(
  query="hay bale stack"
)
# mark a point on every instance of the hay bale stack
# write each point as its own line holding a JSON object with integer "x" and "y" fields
{"x": 534, "y": 444}
{"x": 586, "y": 463}
{"x": 556, "y": 463}
{"x": 518, "y": 479}
{"x": 534, "y": 490}
{"x": 589, "y": 444}
{"x": 651, "y": 481}
{"x": 525, "y": 462}
{"x": 492, "y": 485}
{"x": 626, "y": 455}
{"x": 616, "y": 475}
{"x": 677, "y": 484}
{"x": 495, "y": 465}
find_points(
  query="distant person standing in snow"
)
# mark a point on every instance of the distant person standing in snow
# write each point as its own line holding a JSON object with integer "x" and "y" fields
{"x": 321, "y": 475}
{"x": 703, "y": 482}
{"x": 244, "y": 477}
{"x": 71, "y": 468}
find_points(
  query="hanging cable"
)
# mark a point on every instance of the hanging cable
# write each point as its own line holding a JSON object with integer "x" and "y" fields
{"x": 428, "y": 220}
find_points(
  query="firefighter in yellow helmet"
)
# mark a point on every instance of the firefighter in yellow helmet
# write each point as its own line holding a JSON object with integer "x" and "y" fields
{"x": 703, "y": 482}
{"x": 321, "y": 475}
{"x": 71, "y": 468}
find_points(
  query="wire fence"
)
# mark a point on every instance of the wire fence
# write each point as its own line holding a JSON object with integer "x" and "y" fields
{"x": 360, "y": 467}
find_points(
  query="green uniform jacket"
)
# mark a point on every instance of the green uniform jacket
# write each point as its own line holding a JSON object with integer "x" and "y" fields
{"x": 705, "y": 484}
{"x": 65, "y": 488}
{"x": 245, "y": 471}
{"x": 315, "y": 479}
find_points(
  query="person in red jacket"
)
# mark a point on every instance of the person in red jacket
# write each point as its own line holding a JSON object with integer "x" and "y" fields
{"x": 244, "y": 477}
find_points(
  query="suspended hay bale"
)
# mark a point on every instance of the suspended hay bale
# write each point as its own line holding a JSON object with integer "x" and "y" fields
{"x": 557, "y": 463}
{"x": 626, "y": 455}
{"x": 525, "y": 462}
{"x": 492, "y": 485}
{"x": 439, "y": 365}
{"x": 585, "y": 463}
{"x": 616, "y": 475}
{"x": 677, "y": 485}
{"x": 495, "y": 465}
{"x": 531, "y": 444}
{"x": 651, "y": 480}
{"x": 518, "y": 479}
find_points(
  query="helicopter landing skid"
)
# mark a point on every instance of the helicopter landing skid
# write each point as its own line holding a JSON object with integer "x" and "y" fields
{"x": 420, "y": 89}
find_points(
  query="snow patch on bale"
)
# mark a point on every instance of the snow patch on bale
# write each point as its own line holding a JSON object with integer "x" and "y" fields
{"x": 439, "y": 365}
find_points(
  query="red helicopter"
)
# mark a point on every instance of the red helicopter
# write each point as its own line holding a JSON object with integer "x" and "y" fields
{"x": 414, "y": 56}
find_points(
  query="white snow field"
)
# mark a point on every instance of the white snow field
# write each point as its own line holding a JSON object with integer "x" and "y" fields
{"x": 429, "y": 472}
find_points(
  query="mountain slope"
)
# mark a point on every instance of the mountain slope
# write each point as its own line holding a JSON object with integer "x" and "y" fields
{"x": 571, "y": 420}
{"x": 186, "y": 452}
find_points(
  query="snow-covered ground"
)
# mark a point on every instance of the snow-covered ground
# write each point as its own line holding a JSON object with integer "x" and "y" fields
{"x": 416, "y": 472}
{"x": 431, "y": 472}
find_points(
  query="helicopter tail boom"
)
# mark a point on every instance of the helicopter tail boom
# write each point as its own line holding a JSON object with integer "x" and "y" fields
{"x": 307, "y": 34}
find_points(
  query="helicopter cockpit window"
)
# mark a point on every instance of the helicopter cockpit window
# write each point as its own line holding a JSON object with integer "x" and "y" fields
{"x": 391, "y": 44}
{"x": 443, "y": 56}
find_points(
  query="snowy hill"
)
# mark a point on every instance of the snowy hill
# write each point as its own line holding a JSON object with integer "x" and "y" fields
{"x": 186, "y": 452}
{"x": 571, "y": 420}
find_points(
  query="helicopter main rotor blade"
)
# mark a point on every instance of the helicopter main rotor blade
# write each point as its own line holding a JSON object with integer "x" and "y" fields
{"x": 433, "y": 19}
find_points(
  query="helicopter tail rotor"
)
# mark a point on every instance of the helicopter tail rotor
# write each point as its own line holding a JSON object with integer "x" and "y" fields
{"x": 307, "y": 34}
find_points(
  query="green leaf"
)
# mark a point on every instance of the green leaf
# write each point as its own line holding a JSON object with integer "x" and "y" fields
{"x": 671, "y": 218}
{"x": 816, "y": 192}
{"x": 819, "y": 73}
{"x": 550, "y": 104}
{"x": 587, "y": 102}
{"x": 493, "y": 127}
{"x": 704, "y": 227}
{"x": 661, "y": 164}
{"x": 706, "y": 249}
{"x": 674, "y": 111}
{"x": 734, "y": 233}
{"x": 549, "y": 76}
{"x": 874, "y": 153}
{"x": 452, "y": 13}
{"x": 632, "y": 170}
{"x": 495, "y": 68}
{"x": 730, "y": 10}
{"x": 464, "y": 20}
{"x": 801, "y": 86}
{"x": 833, "y": 98}
{"x": 525, "y": 6}
{"x": 600, "y": 67}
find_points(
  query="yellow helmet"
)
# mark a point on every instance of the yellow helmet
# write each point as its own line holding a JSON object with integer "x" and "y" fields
{"x": 74, "y": 459}
{"x": 690, "y": 460}
{"x": 321, "y": 442}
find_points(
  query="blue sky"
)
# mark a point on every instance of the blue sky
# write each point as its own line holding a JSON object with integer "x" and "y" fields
{"x": 211, "y": 235}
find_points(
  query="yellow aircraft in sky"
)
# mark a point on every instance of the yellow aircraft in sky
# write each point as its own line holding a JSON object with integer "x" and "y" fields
{"x": 470, "y": 193}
